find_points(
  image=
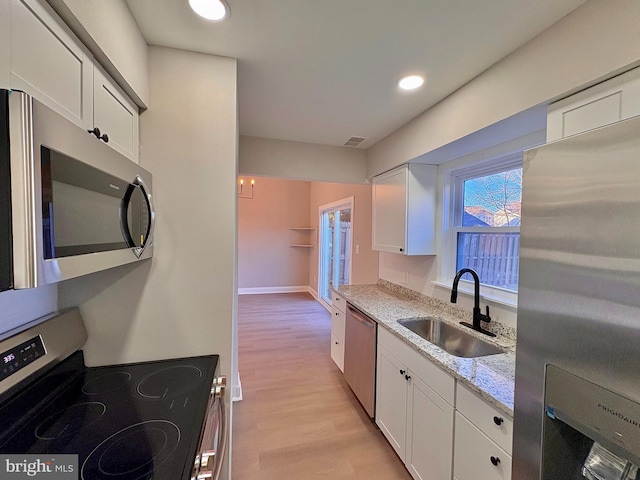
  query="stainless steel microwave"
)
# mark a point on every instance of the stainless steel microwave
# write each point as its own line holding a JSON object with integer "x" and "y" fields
{"x": 77, "y": 205}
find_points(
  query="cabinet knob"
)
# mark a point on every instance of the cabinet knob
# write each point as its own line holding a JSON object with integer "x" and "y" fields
{"x": 337, "y": 343}
{"x": 498, "y": 420}
{"x": 337, "y": 314}
{"x": 402, "y": 249}
{"x": 95, "y": 131}
{"x": 407, "y": 377}
{"x": 402, "y": 372}
{"x": 105, "y": 138}
{"x": 495, "y": 461}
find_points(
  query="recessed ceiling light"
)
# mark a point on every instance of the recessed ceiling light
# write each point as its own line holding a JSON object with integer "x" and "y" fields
{"x": 209, "y": 9}
{"x": 411, "y": 82}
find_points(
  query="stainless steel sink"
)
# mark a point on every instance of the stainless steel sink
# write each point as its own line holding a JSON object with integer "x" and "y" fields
{"x": 451, "y": 339}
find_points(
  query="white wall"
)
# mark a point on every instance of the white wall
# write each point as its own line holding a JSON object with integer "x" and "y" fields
{"x": 183, "y": 301}
{"x": 597, "y": 40}
{"x": 112, "y": 35}
{"x": 301, "y": 161}
{"x": 18, "y": 307}
{"x": 266, "y": 259}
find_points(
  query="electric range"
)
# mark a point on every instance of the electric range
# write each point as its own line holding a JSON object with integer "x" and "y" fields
{"x": 137, "y": 421}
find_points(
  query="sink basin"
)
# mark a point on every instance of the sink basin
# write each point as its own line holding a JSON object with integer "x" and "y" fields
{"x": 451, "y": 339}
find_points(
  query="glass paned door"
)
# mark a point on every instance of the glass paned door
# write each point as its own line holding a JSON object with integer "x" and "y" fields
{"x": 335, "y": 248}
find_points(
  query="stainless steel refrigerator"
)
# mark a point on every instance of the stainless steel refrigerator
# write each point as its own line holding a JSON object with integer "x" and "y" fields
{"x": 577, "y": 395}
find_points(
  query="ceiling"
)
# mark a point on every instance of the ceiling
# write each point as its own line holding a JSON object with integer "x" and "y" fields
{"x": 321, "y": 71}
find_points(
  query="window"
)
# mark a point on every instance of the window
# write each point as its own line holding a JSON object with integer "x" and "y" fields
{"x": 486, "y": 223}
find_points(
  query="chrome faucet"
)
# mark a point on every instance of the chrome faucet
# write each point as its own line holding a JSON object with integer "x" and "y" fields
{"x": 478, "y": 316}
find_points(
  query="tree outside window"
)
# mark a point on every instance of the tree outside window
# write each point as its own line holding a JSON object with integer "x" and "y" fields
{"x": 488, "y": 234}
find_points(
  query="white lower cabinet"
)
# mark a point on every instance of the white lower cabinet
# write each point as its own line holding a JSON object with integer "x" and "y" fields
{"x": 429, "y": 432}
{"x": 440, "y": 429}
{"x": 338, "y": 309}
{"x": 415, "y": 418}
{"x": 477, "y": 457}
{"x": 391, "y": 400}
{"x": 483, "y": 439}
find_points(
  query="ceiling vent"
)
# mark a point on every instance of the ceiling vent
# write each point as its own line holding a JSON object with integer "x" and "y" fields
{"x": 354, "y": 141}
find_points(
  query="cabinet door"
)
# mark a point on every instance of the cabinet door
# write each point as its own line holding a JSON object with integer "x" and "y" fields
{"x": 115, "y": 115}
{"x": 476, "y": 456}
{"x": 391, "y": 400}
{"x": 390, "y": 211}
{"x": 49, "y": 62}
{"x": 337, "y": 351}
{"x": 429, "y": 433}
{"x": 608, "y": 102}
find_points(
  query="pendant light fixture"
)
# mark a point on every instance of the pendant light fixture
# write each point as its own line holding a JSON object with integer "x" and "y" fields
{"x": 214, "y": 10}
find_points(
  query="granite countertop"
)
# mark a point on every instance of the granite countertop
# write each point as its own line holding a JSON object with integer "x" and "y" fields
{"x": 492, "y": 377}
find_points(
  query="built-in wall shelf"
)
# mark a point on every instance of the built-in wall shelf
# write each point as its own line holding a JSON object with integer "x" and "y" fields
{"x": 303, "y": 237}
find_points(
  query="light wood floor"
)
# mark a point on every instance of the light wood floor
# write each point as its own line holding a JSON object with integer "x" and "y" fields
{"x": 299, "y": 420}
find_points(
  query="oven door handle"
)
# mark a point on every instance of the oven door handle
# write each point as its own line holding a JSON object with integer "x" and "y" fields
{"x": 214, "y": 440}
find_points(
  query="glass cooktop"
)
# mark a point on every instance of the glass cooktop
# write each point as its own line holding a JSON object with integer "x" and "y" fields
{"x": 137, "y": 421}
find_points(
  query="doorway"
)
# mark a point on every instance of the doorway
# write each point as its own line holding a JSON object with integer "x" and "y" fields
{"x": 335, "y": 247}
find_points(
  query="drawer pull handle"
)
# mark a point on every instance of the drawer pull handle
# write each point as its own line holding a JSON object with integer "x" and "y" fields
{"x": 498, "y": 420}
{"x": 402, "y": 372}
{"x": 495, "y": 461}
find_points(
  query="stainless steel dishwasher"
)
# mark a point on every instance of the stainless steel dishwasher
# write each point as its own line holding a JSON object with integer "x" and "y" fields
{"x": 360, "y": 357}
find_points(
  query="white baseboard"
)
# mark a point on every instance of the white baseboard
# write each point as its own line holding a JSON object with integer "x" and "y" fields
{"x": 236, "y": 391}
{"x": 313, "y": 293}
{"x": 266, "y": 290}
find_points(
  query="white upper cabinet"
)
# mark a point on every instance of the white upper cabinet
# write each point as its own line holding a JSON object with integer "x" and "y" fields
{"x": 49, "y": 62}
{"x": 608, "y": 102}
{"x": 115, "y": 115}
{"x": 404, "y": 207}
{"x": 44, "y": 58}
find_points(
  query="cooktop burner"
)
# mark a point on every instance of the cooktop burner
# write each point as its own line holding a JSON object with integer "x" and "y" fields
{"x": 106, "y": 383}
{"x": 114, "y": 458}
{"x": 126, "y": 422}
{"x": 169, "y": 382}
{"x": 70, "y": 420}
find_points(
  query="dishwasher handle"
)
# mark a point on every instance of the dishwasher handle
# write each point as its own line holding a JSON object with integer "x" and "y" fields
{"x": 361, "y": 318}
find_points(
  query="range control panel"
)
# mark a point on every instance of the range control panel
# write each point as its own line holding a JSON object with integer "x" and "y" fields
{"x": 20, "y": 356}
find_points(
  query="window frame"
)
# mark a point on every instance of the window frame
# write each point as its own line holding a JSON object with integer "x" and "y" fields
{"x": 453, "y": 201}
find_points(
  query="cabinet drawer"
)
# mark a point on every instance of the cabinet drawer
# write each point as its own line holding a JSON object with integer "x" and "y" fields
{"x": 440, "y": 381}
{"x": 337, "y": 322}
{"x": 338, "y": 302}
{"x": 337, "y": 351}
{"x": 495, "y": 424}
{"x": 476, "y": 456}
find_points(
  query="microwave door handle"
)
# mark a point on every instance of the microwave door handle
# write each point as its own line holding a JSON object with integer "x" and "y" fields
{"x": 124, "y": 208}
{"x": 150, "y": 211}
